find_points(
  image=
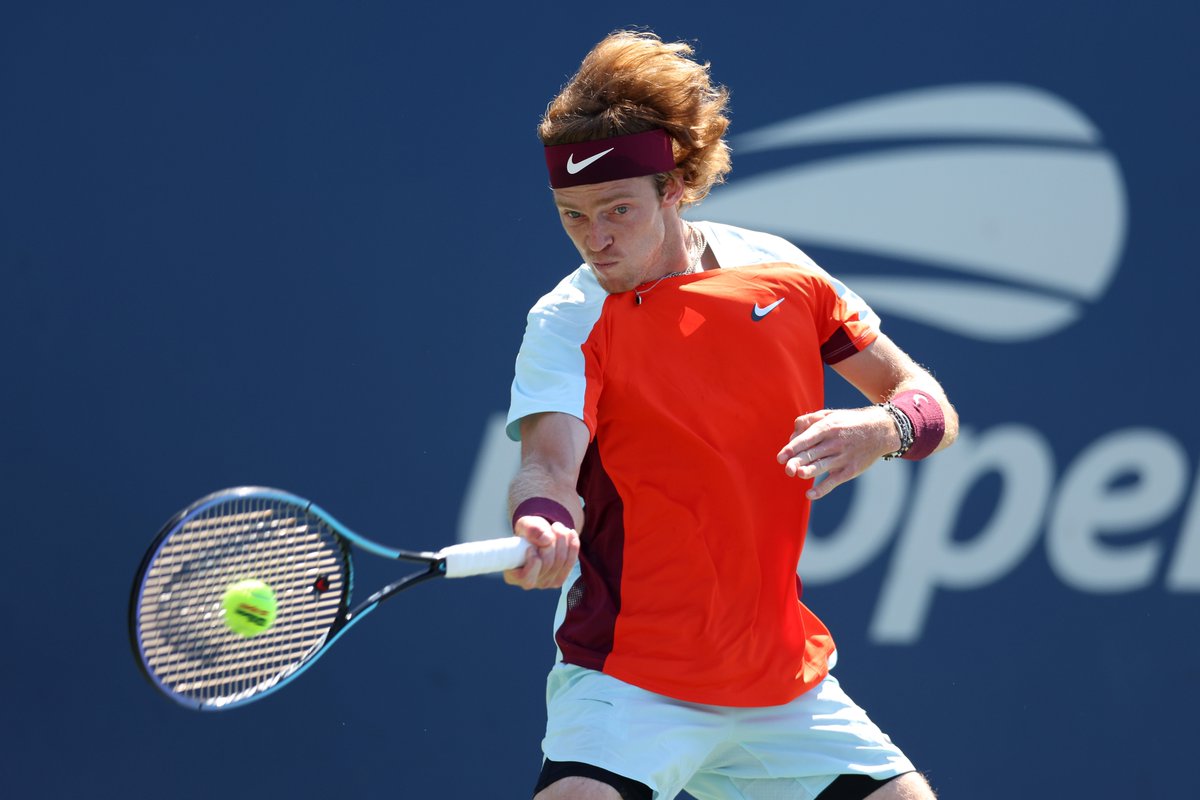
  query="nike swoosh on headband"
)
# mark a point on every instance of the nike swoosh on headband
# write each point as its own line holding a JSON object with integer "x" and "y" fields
{"x": 760, "y": 312}
{"x": 574, "y": 168}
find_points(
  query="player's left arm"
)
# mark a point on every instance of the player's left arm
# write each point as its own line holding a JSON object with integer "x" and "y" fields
{"x": 845, "y": 442}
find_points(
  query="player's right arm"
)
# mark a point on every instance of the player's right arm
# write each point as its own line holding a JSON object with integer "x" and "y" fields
{"x": 552, "y": 448}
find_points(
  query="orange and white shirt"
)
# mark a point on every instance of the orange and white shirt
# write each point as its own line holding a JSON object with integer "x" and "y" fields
{"x": 687, "y": 577}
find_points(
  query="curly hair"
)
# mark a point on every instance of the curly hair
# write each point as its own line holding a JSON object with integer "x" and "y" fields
{"x": 632, "y": 82}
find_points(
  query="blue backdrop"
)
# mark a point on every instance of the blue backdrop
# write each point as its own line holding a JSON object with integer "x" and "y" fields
{"x": 293, "y": 244}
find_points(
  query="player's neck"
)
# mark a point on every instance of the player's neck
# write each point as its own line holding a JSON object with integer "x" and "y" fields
{"x": 687, "y": 249}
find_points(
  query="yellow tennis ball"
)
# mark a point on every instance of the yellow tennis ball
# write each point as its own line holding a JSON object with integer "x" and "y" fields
{"x": 249, "y": 607}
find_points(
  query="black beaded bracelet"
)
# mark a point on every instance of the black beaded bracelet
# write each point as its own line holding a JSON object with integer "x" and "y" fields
{"x": 903, "y": 426}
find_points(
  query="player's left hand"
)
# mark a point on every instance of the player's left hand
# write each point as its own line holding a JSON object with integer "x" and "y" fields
{"x": 840, "y": 443}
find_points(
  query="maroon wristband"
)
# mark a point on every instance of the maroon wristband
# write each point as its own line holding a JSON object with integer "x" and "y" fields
{"x": 549, "y": 510}
{"x": 928, "y": 422}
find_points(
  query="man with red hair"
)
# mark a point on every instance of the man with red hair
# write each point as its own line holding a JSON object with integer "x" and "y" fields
{"x": 669, "y": 400}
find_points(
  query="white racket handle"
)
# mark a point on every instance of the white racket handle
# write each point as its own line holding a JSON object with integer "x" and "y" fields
{"x": 479, "y": 558}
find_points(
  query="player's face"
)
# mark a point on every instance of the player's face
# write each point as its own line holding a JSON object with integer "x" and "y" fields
{"x": 624, "y": 230}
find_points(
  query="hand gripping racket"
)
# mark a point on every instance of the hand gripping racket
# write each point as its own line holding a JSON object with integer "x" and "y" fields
{"x": 185, "y": 613}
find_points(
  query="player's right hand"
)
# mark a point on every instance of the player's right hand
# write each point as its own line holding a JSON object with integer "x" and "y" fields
{"x": 552, "y": 557}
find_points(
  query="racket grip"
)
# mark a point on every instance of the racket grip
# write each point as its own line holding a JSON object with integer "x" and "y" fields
{"x": 479, "y": 558}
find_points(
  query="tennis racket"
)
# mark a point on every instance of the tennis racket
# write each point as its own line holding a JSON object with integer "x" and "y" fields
{"x": 180, "y": 608}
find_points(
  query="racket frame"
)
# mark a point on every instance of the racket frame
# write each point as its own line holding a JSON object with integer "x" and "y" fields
{"x": 346, "y": 617}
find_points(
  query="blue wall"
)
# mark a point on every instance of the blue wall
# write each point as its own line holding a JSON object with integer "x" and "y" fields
{"x": 293, "y": 245}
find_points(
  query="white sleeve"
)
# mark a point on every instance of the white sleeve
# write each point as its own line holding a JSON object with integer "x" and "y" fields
{"x": 550, "y": 368}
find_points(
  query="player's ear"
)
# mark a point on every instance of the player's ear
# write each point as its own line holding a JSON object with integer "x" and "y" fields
{"x": 672, "y": 189}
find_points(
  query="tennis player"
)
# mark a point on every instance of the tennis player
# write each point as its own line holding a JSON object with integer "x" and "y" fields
{"x": 674, "y": 383}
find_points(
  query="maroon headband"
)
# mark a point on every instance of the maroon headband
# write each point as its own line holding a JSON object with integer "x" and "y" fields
{"x": 601, "y": 160}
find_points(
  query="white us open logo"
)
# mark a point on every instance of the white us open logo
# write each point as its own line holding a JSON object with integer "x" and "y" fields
{"x": 1008, "y": 193}
{"x": 1024, "y": 212}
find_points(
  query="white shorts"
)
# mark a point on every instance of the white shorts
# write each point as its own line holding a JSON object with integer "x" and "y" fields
{"x": 714, "y": 752}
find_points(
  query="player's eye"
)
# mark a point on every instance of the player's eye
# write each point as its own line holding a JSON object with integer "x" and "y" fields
{"x": 621, "y": 210}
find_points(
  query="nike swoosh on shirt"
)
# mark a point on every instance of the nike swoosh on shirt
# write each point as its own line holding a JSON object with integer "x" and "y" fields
{"x": 575, "y": 169}
{"x": 759, "y": 312}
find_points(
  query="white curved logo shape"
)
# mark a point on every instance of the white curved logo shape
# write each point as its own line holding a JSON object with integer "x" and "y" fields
{"x": 1016, "y": 233}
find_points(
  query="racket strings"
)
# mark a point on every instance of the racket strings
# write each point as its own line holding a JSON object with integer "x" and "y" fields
{"x": 183, "y": 636}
